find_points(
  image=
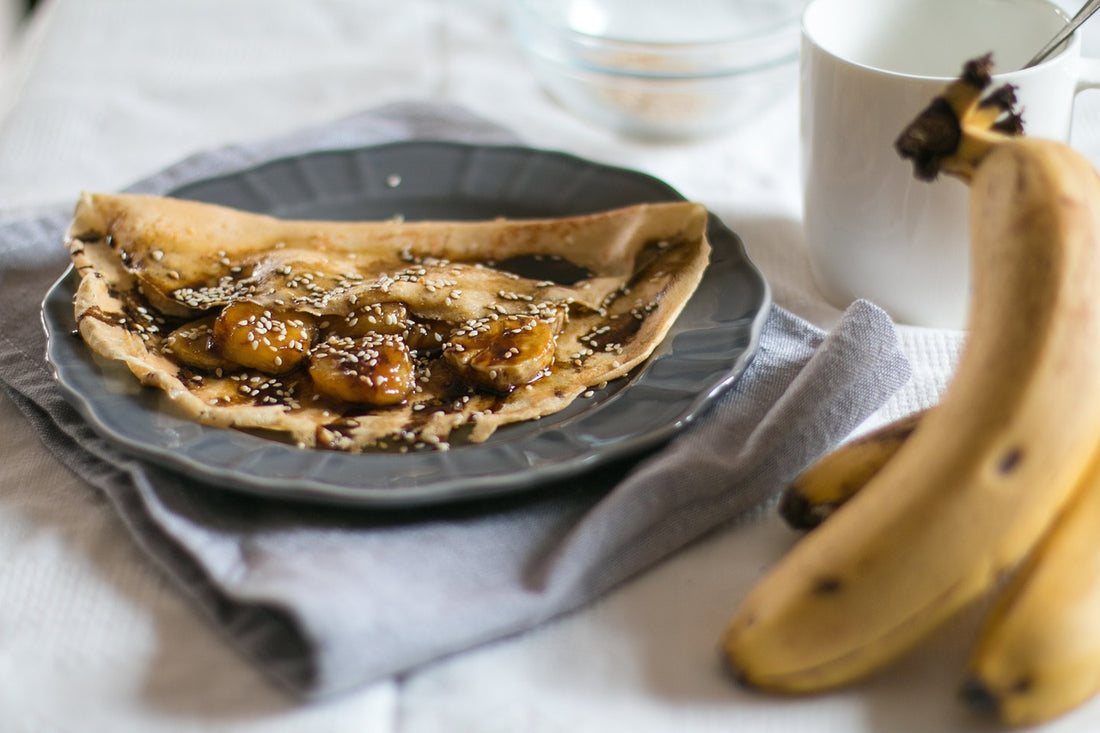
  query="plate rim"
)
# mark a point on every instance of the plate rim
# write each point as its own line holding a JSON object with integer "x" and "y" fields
{"x": 440, "y": 491}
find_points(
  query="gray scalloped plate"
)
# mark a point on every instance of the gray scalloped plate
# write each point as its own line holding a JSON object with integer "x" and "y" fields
{"x": 707, "y": 349}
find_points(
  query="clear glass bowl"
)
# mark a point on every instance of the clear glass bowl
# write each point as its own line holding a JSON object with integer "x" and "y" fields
{"x": 658, "y": 68}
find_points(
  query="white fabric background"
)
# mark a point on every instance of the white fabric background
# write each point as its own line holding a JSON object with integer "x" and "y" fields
{"x": 102, "y": 92}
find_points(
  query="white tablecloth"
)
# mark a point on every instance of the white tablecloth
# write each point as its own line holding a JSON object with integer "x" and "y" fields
{"x": 100, "y": 93}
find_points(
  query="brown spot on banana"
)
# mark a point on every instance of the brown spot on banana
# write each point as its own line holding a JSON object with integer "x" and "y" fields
{"x": 1022, "y": 685}
{"x": 828, "y": 586}
{"x": 1010, "y": 460}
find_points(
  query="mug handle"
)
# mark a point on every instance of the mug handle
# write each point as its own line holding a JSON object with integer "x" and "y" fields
{"x": 1088, "y": 74}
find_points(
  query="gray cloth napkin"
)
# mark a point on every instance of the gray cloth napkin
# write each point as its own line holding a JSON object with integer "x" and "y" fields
{"x": 324, "y": 599}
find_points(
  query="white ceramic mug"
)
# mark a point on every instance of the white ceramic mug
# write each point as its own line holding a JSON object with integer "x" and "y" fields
{"x": 868, "y": 67}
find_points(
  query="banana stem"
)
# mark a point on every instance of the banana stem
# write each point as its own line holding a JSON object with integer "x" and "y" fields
{"x": 961, "y": 126}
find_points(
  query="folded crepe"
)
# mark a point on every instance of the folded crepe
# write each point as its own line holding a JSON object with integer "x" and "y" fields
{"x": 384, "y": 335}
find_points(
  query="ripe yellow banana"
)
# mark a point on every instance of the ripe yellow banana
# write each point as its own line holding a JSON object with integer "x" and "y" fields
{"x": 1038, "y": 654}
{"x": 971, "y": 491}
{"x": 834, "y": 478}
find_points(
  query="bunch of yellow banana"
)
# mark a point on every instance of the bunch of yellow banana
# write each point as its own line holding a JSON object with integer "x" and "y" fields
{"x": 1003, "y": 473}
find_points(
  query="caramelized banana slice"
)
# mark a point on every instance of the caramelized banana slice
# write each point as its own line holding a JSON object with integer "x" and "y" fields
{"x": 384, "y": 318}
{"x": 428, "y": 336}
{"x": 504, "y": 352}
{"x": 376, "y": 369}
{"x": 193, "y": 344}
{"x": 271, "y": 341}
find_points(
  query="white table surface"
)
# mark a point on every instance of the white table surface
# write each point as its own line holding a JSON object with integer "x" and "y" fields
{"x": 101, "y": 92}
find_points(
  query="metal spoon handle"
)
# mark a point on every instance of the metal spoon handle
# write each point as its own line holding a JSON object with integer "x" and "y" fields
{"x": 1082, "y": 15}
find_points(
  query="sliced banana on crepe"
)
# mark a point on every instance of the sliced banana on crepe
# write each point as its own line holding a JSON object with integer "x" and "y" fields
{"x": 377, "y": 335}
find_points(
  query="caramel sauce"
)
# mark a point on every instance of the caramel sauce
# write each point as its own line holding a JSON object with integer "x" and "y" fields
{"x": 111, "y": 319}
{"x": 618, "y": 329}
{"x": 654, "y": 257}
{"x": 545, "y": 268}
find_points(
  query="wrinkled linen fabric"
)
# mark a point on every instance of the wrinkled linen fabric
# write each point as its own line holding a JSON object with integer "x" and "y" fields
{"x": 325, "y": 599}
